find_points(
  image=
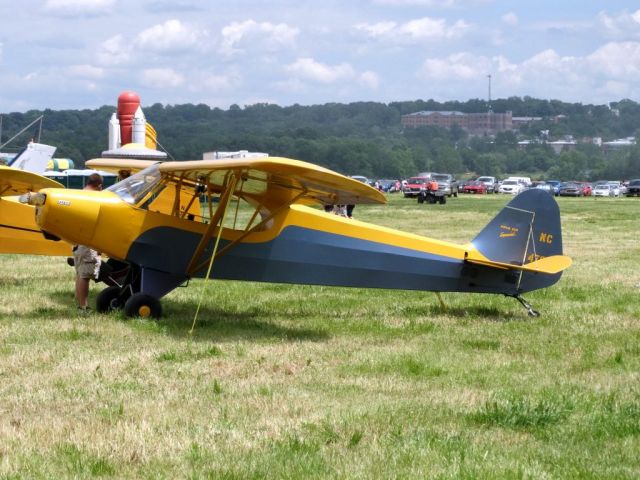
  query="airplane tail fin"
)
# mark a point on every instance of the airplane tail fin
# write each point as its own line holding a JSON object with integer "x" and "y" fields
{"x": 525, "y": 236}
{"x": 33, "y": 158}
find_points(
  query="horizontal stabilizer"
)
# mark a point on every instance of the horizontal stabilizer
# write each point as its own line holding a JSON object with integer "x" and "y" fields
{"x": 550, "y": 265}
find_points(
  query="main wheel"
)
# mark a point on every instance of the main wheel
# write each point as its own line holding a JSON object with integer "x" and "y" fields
{"x": 108, "y": 299}
{"x": 143, "y": 305}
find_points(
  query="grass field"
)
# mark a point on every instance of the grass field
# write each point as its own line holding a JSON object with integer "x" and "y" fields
{"x": 283, "y": 381}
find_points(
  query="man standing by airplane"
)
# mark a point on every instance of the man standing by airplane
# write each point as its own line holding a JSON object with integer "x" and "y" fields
{"x": 86, "y": 260}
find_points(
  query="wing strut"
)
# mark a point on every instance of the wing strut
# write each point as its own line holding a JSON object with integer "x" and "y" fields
{"x": 244, "y": 235}
{"x": 217, "y": 218}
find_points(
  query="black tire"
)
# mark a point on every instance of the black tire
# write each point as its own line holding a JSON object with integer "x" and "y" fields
{"x": 456, "y": 194}
{"x": 420, "y": 199}
{"x": 443, "y": 200}
{"x": 108, "y": 300}
{"x": 143, "y": 305}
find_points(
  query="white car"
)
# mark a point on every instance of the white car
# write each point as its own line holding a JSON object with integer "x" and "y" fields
{"x": 513, "y": 187}
{"x": 618, "y": 187}
{"x": 606, "y": 190}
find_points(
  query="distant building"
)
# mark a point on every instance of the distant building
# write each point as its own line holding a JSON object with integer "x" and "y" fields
{"x": 474, "y": 123}
{"x": 618, "y": 144}
{"x": 519, "y": 121}
{"x": 560, "y": 146}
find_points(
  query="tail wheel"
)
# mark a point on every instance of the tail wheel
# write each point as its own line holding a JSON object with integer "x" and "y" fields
{"x": 108, "y": 299}
{"x": 143, "y": 305}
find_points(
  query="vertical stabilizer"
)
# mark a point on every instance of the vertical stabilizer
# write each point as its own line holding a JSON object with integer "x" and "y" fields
{"x": 33, "y": 158}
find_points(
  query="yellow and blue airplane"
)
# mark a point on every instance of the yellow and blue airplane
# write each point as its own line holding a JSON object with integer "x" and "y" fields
{"x": 254, "y": 219}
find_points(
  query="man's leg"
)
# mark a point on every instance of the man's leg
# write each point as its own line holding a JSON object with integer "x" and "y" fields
{"x": 82, "y": 291}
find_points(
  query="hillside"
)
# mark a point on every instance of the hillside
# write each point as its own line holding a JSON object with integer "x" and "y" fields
{"x": 366, "y": 137}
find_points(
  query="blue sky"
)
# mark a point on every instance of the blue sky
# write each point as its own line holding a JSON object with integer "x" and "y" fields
{"x": 69, "y": 54}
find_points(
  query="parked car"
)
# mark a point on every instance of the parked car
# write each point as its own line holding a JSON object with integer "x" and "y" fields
{"x": 633, "y": 189}
{"x": 555, "y": 186}
{"x": 447, "y": 183}
{"x": 586, "y": 189}
{"x": 605, "y": 190}
{"x": 547, "y": 187}
{"x": 570, "y": 189}
{"x": 618, "y": 185}
{"x": 526, "y": 181}
{"x": 414, "y": 186}
{"x": 474, "y": 186}
{"x": 386, "y": 185}
{"x": 511, "y": 186}
{"x": 362, "y": 179}
{"x": 490, "y": 182}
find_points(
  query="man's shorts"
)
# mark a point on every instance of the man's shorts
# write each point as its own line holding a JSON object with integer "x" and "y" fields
{"x": 87, "y": 262}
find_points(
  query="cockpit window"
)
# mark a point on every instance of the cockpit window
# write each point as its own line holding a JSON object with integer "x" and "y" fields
{"x": 135, "y": 188}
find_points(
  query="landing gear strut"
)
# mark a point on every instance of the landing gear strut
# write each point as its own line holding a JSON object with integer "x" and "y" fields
{"x": 139, "y": 293}
{"x": 527, "y": 305}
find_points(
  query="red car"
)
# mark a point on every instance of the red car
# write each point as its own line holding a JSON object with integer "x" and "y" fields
{"x": 586, "y": 189}
{"x": 474, "y": 186}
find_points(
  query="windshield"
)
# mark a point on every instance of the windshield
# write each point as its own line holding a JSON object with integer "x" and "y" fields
{"x": 417, "y": 180}
{"x": 510, "y": 182}
{"x": 137, "y": 186}
{"x": 634, "y": 183}
{"x": 485, "y": 179}
{"x": 442, "y": 178}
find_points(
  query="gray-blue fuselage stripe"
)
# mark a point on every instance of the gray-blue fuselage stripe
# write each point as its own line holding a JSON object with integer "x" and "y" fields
{"x": 306, "y": 256}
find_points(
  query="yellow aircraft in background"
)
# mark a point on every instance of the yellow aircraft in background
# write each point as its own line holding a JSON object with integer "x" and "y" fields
{"x": 253, "y": 219}
{"x": 19, "y": 232}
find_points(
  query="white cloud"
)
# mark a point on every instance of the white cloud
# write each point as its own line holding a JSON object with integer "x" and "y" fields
{"x": 616, "y": 61}
{"x": 161, "y": 78}
{"x": 79, "y": 7}
{"x": 369, "y": 79}
{"x": 611, "y": 71}
{"x": 425, "y": 28}
{"x": 621, "y": 26}
{"x": 114, "y": 51}
{"x": 510, "y": 19}
{"x": 309, "y": 69}
{"x": 171, "y": 35}
{"x": 264, "y": 35}
{"x": 86, "y": 71}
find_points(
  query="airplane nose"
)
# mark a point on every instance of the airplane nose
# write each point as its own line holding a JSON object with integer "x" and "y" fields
{"x": 68, "y": 214}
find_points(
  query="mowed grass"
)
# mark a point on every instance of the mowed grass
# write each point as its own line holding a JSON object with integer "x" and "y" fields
{"x": 282, "y": 381}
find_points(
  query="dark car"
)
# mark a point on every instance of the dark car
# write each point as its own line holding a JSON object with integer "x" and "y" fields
{"x": 386, "y": 185}
{"x": 633, "y": 189}
{"x": 570, "y": 189}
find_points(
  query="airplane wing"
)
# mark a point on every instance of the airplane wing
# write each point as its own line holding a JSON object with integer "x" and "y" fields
{"x": 16, "y": 182}
{"x": 116, "y": 165}
{"x": 276, "y": 181}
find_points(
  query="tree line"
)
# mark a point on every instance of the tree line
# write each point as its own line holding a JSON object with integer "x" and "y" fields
{"x": 367, "y": 138}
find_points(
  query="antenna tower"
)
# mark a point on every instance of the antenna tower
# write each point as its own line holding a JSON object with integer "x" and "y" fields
{"x": 489, "y": 77}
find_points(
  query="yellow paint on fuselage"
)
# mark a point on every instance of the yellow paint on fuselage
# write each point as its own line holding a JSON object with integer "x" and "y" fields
{"x": 20, "y": 234}
{"x": 105, "y": 222}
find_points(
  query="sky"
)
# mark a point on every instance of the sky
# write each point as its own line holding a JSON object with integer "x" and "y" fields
{"x": 76, "y": 54}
